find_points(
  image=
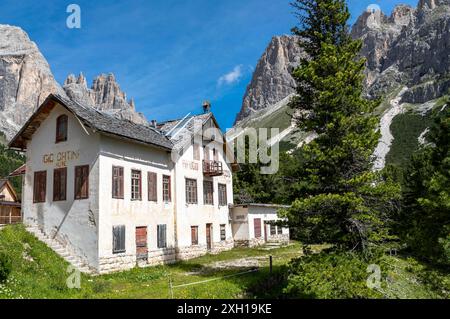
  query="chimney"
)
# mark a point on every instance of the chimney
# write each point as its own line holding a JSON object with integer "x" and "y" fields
{"x": 153, "y": 123}
{"x": 206, "y": 107}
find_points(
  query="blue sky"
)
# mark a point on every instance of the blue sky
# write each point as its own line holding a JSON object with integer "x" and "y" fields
{"x": 169, "y": 55}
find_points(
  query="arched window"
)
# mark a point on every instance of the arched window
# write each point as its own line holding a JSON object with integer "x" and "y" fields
{"x": 61, "y": 128}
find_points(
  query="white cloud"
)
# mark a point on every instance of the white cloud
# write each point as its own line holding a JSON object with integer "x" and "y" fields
{"x": 231, "y": 77}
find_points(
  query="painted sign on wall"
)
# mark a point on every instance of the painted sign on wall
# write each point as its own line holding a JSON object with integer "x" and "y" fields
{"x": 60, "y": 159}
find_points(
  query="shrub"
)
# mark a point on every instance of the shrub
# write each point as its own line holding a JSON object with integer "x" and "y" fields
{"x": 5, "y": 267}
{"x": 329, "y": 275}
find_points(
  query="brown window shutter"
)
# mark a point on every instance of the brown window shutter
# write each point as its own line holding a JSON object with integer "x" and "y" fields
{"x": 152, "y": 187}
{"x": 82, "y": 182}
{"x": 257, "y": 225}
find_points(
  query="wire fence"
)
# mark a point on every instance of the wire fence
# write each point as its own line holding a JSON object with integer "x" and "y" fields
{"x": 255, "y": 269}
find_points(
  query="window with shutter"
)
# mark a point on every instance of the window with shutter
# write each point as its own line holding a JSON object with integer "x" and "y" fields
{"x": 119, "y": 239}
{"x": 279, "y": 230}
{"x": 194, "y": 235}
{"x": 222, "y": 188}
{"x": 152, "y": 187}
{"x": 161, "y": 230}
{"x": 191, "y": 191}
{"x": 136, "y": 183}
{"x": 82, "y": 182}
{"x": 208, "y": 191}
{"x": 59, "y": 184}
{"x": 257, "y": 225}
{"x": 61, "y": 128}
{"x": 166, "y": 188}
{"x": 273, "y": 230}
{"x": 39, "y": 187}
{"x": 223, "y": 234}
{"x": 117, "y": 182}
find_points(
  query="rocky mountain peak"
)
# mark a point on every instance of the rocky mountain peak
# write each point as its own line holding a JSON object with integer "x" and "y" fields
{"x": 104, "y": 94}
{"x": 402, "y": 15}
{"x": 272, "y": 80}
{"x": 25, "y": 79}
{"x": 406, "y": 48}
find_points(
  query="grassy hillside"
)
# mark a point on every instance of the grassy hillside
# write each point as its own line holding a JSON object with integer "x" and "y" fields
{"x": 406, "y": 129}
{"x": 39, "y": 273}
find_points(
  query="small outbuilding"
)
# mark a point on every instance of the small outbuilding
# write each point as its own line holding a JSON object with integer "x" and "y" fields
{"x": 10, "y": 211}
{"x": 252, "y": 225}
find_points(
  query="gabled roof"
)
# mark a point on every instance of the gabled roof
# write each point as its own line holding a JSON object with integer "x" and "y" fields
{"x": 19, "y": 171}
{"x": 176, "y": 130}
{"x": 94, "y": 119}
{"x": 181, "y": 131}
{"x": 5, "y": 183}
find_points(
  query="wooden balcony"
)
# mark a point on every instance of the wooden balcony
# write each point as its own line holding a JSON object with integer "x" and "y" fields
{"x": 212, "y": 168}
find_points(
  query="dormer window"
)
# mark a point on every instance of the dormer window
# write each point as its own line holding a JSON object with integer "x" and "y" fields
{"x": 61, "y": 128}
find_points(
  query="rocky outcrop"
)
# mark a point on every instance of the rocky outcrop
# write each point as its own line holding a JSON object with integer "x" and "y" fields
{"x": 417, "y": 56}
{"x": 25, "y": 79}
{"x": 272, "y": 80}
{"x": 105, "y": 95}
{"x": 408, "y": 48}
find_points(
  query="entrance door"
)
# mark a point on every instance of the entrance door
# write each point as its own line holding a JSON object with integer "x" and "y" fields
{"x": 141, "y": 243}
{"x": 208, "y": 236}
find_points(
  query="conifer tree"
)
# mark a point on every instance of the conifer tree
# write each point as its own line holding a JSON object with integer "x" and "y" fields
{"x": 424, "y": 223}
{"x": 339, "y": 199}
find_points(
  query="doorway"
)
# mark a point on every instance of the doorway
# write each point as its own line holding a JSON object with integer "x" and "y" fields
{"x": 141, "y": 243}
{"x": 208, "y": 236}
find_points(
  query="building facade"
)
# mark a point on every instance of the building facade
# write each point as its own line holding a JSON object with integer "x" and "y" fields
{"x": 116, "y": 194}
{"x": 255, "y": 224}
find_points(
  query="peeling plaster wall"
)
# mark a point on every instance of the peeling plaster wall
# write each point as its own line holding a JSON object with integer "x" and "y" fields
{"x": 188, "y": 215}
{"x": 73, "y": 222}
{"x": 133, "y": 213}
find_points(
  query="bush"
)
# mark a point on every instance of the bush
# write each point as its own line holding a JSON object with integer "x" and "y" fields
{"x": 5, "y": 267}
{"x": 329, "y": 275}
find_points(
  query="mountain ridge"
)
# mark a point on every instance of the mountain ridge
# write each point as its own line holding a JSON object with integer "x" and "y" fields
{"x": 26, "y": 80}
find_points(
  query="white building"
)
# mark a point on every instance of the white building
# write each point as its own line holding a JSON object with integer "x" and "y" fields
{"x": 113, "y": 194}
{"x": 255, "y": 224}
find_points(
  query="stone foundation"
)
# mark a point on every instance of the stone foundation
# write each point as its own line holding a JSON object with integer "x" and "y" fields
{"x": 254, "y": 242}
{"x": 121, "y": 262}
{"x": 190, "y": 252}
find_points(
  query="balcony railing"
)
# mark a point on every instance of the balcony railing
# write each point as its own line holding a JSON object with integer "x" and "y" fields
{"x": 212, "y": 168}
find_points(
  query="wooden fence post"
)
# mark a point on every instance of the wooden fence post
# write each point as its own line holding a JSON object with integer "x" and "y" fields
{"x": 270, "y": 263}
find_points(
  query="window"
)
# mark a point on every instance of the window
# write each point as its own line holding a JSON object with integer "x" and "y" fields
{"x": 82, "y": 182}
{"x": 222, "y": 195}
{"x": 223, "y": 232}
{"x": 118, "y": 239}
{"x": 215, "y": 155}
{"x": 39, "y": 187}
{"x": 152, "y": 188}
{"x": 194, "y": 235}
{"x": 196, "y": 152}
{"x": 279, "y": 230}
{"x": 59, "y": 184}
{"x": 117, "y": 182}
{"x": 166, "y": 188}
{"x": 136, "y": 185}
{"x": 61, "y": 128}
{"x": 162, "y": 233}
{"x": 191, "y": 191}
{"x": 273, "y": 230}
{"x": 208, "y": 190}
{"x": 257, "y": 225}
